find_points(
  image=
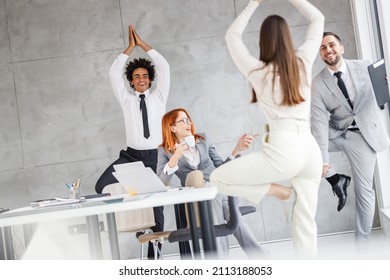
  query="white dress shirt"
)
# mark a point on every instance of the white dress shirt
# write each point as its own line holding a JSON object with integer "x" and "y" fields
{"x": 155, "y": 99}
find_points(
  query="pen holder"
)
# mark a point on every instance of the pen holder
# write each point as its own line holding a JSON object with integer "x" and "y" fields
{"x": 74, "y": 193}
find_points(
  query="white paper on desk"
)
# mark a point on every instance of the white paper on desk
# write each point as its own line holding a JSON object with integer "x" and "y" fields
{"x": 140, "y": 181}
{"x": 129, "y": 166}
{"x": 53, "y": 202}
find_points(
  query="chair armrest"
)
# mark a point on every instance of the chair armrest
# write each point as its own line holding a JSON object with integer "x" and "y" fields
{"x": 245, "y": 210}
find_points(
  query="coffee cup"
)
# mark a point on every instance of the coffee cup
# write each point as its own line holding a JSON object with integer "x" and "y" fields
{"x": 190, "y": 141}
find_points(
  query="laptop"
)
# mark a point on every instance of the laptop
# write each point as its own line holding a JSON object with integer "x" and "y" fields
{"x": 129, "y": 166}
{"x": 140, "y": 181}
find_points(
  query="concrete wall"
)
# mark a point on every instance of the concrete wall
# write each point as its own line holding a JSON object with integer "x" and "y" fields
{"x": 59, "y": 120}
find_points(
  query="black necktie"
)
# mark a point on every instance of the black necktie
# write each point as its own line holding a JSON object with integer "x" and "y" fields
{"x": 343, "y": 89}
{"x": 144, "y": 116}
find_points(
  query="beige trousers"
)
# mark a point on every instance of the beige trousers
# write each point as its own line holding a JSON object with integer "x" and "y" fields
{"x": 290, "y": 152}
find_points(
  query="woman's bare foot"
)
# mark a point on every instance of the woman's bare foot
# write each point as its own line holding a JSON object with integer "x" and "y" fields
{"x": 287, "y": 196}
{"x": 280, "y": 191}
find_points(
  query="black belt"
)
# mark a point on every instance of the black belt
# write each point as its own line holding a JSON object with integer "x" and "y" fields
{"x": 353, "y": 129}
{"x": 138, "y": 153}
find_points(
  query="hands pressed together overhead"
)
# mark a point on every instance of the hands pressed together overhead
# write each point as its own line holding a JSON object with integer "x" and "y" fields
{"x": 135, "y": 40}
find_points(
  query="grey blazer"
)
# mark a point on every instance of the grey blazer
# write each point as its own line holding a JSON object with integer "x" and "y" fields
{"x": 209, "y": 160}
{"x": 331, "y": 114}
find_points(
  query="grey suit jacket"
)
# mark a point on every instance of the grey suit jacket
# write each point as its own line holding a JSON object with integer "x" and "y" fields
{"x": 209, "y": 160}
{"x": 331, "y": 113}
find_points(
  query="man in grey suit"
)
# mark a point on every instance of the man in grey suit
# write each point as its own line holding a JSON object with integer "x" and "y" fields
{"x": 345, "y": 117}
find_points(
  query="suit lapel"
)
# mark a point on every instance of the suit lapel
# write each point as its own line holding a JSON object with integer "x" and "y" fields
{"x": 202, "y": 151}
{"x": 183, "y": 161}
{"x": 357, "y": 79}
{"x": 331, "y": 84}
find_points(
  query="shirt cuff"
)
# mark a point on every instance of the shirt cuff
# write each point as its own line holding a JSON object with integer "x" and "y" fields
{"x": 168, "y": 170}
{"x": 231, "y": 157}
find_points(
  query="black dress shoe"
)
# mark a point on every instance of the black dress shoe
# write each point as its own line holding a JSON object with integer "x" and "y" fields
{"x": 340, "y": 189}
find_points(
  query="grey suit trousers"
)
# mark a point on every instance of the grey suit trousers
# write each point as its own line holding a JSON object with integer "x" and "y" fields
{"x": 362, "y": 159}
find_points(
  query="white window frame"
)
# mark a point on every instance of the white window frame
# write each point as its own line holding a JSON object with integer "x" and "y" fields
{"x": 368, "y": 48}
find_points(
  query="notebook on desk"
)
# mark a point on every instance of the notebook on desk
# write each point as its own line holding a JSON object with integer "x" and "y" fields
{"x": 140, "y": 181}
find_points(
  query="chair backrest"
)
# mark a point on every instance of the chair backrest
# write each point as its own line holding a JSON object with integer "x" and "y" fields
{"x": 131, "y": 220}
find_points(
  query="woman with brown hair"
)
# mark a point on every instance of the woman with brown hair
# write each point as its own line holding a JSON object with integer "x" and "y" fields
{"x": 281, "y": 80}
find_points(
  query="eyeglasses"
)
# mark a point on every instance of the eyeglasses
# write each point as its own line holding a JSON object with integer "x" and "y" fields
{"x": 184, "y": 120}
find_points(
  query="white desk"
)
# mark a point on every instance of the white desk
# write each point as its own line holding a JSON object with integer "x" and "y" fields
{"x": 91, "y": 210}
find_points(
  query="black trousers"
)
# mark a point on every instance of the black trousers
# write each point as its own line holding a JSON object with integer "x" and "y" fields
{"x": 149, "y": 158}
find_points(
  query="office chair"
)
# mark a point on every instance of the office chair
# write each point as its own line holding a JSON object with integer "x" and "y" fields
{"x": 132, "y": 220}
{"x": 155, "y": 238}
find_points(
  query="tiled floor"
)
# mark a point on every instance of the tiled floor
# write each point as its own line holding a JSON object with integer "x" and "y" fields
{"x": 330, "y": 247}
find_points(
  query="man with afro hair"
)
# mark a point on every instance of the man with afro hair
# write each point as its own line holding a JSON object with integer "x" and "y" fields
{"x": 143, "y": 127}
